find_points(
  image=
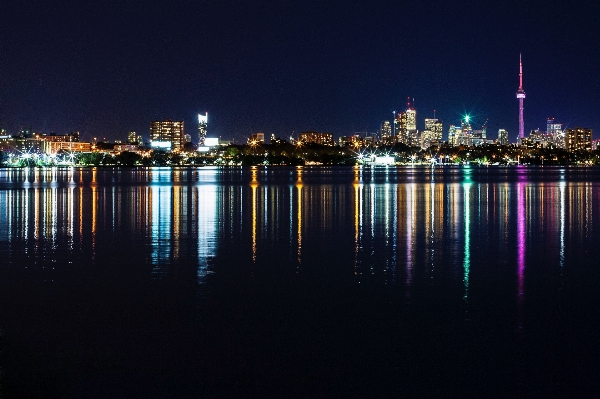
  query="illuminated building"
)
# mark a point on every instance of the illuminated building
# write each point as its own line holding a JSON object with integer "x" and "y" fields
{"x": 502, "y": 137}
{"x": 411, "y": 126}
{"x": 134, "y": 138}
{"x": 536, "y": 139}
{"x": 73, "y": 137}
{"x": 432, "y": 133}
{"x": 317, "y": 138}
{"x": 26, "y": 132}
{"x": 453, "y": 134}
{"x": 53, "y": 147}
{"x": 401, "y": 129}
{"x": 257, "y": 138}
{"x": 554, "y": 130}
{"x": 578, "y": 139}
{"x": 167, "y": 134}
{"x": 521, "y": 97}
{"x": 385, "y": 130}
{"x": 202, "y": 128}
{"x": 20, "y": 144}
{"x": 461, "y": 135}
{"x": 355, "y": 141}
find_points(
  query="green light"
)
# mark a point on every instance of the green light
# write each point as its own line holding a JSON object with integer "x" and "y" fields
{"x": 467, "y": 118}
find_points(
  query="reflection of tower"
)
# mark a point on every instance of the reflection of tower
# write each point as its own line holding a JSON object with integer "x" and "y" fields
{"x": 521, "y": 96}
{"x": 202, "y": 127}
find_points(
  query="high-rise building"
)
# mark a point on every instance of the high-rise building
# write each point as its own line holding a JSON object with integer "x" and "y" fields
{"x": 462, "y": 135}
{"x": 133, "y": 138}
{"x": 202, "y": 128}
{"x": 521, "y": 97}
{"x": 432, "y": 133}
{"x": 400, "y": 128}
{"x": 555, "y": 133}
{"x": 167, "y": 134}
{"x": 502, "y": 137}
{"x": 405, "y": 126}
{"x": 411, "y": 126}
{"x": 578, "y": 139}
{"x": 385, "y": 130}
{"x": 453, "y": 134}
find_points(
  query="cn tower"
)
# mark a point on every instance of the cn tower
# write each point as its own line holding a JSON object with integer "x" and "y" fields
{"x": 521, "y": 96}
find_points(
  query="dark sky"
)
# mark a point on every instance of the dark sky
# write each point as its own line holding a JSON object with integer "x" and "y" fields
{"x": 105, "y": 68}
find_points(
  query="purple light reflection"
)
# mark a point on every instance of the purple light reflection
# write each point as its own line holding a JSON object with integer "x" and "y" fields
{"x": 521, "y": 249}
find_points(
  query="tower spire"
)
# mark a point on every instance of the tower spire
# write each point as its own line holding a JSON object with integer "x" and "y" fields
{"x": 521, "y": 97}
{"x": 520, "y": 73}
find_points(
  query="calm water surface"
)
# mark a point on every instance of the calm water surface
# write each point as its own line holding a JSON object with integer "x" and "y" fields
{"x": 327, "y": 282}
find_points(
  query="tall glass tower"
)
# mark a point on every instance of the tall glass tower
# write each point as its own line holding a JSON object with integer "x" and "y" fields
{"x": 202, "y": 128}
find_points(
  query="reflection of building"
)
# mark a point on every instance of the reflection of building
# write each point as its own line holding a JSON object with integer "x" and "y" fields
{"x": 202, "y": 128}
{"x": 578, "y": 139}
{"x": 167, "y": 134}
{"x": 317, "y": 138}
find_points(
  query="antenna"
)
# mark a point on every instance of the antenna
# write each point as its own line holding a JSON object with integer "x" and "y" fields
{"x": 520, "y": 73}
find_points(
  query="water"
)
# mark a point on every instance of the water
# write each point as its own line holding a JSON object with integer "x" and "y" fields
{"x": 327, "y": 282}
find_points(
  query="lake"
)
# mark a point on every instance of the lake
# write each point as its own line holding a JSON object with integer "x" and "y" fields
{"x": 300, "y": 282}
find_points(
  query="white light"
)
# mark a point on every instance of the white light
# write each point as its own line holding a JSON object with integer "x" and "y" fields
{"x": 211, "y": 141}
{"x": 161, "y": 144}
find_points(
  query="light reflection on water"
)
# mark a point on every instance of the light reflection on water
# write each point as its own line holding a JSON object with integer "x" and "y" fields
{"x": 388, "y": 226}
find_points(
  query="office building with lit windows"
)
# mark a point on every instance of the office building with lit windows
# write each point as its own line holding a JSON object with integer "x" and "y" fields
{"x": 502, "y": 137}
{"x": 167, "y": 134}
{"x": 578, "y": 139}
{"x": 432, "y": 133}
{"x": 317, "y": 138}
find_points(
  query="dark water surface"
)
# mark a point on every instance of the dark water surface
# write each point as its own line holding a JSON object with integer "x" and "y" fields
{"x": 300, "y": 282}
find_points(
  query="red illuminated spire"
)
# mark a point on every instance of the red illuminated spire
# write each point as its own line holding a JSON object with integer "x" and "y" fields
{"x": 520, "y": 73}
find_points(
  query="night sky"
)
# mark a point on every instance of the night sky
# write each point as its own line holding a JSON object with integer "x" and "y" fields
{"x": 106, "y": 68}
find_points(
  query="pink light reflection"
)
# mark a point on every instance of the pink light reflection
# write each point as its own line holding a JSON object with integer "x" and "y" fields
{"x": 521, "y": 250}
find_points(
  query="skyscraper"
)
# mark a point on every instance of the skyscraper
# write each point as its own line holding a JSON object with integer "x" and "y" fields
{"x": 555, "y": 133}
{"x": 432, "y": 133}
{"x": 411, "y": 126}
{"x": 521, "y": 97}
{"x": 166, "y": 134}
{"x": 502, "y": 137}
{"x": 385, "y": 130}
{"x": 202, "y": 128}
{"x": 400, "y": 128}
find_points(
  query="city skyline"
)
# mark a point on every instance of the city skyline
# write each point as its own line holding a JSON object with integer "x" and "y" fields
{"x": 105, "y": 71}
